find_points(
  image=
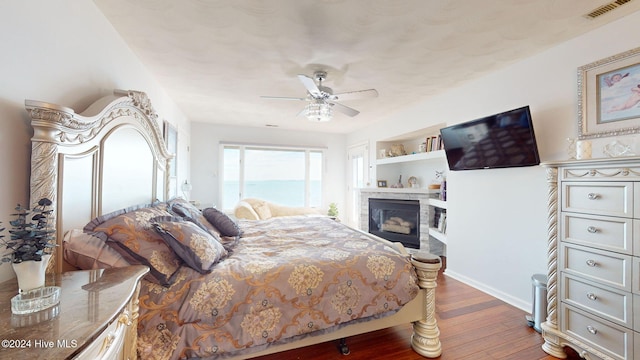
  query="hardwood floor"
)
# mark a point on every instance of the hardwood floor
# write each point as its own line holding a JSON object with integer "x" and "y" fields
{"x": 473, "y": 325}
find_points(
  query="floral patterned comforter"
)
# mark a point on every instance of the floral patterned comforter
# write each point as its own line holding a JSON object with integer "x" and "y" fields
{"x": 286, "y": 277}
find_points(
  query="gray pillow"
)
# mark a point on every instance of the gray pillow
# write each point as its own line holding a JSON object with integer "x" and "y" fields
{"x": 194, "y": 245}
{"x": 221, "y": 221}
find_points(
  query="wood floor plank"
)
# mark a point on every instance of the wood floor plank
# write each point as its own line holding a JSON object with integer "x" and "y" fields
{"x": 473, "y": 326}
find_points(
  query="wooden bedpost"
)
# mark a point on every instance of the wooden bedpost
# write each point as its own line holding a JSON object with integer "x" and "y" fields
{"x": 426, "y": 335}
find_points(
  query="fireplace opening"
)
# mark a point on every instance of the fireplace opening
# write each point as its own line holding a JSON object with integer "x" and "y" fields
{"x": 396, "y": 220}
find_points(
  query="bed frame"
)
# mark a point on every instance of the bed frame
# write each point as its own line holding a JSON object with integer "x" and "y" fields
{"x": 113, "y": 155}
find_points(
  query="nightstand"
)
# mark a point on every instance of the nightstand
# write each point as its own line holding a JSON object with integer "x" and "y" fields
{"x": 95, "y": 319}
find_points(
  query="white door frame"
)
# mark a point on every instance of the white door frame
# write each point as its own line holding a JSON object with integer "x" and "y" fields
{"x": 356, "y": 179}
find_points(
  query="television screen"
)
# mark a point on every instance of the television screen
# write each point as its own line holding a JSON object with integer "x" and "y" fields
{"x": 497, "y": 141}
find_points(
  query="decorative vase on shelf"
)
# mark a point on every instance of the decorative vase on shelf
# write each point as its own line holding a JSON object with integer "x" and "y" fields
{"x": 398, "y": 185}
{"x": 31, "y": 274}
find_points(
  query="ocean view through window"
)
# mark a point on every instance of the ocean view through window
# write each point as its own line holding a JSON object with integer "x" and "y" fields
{"x": 287, "y": 176}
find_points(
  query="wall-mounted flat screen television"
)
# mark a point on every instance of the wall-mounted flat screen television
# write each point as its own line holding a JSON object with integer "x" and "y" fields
{"x": 497, "y": 141}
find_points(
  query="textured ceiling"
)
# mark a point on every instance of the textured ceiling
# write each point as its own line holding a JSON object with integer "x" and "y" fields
{"x": 216, "y": 58}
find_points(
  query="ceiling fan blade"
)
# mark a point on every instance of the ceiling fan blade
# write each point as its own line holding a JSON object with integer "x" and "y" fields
{"x": 352, "y": 95}
{"x": 344, "y": 109}
{"x": 282, "y": 98}
{"x": 310, "y": 85}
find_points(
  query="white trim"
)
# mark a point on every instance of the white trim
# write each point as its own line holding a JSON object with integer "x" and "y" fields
{"x": 272, "y": 146}
{"x": 511, "y": 300}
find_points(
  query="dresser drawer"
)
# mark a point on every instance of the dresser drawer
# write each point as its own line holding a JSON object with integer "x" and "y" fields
{"x": 608, "y": 268}
{"x": 636, "y": 315}
{"x": 636, "y": 231}
{"x": 611, "y": 304}
{"x": 635, "y": 287}
{"x": 109, "y": 344}
{"x": 598, "y": 198}
{"x": 603, "y": 232}
{"x": 613, "y": 340}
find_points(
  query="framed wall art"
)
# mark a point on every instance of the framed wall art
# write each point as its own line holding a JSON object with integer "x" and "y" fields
{"x": 609, "y": 96}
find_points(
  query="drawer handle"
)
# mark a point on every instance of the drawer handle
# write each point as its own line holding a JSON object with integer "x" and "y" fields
{"x": 592, "y": 296}
{"x": 592, "y": 330}
{"x": 592, "y": 229}
{"x": 592, "y": 263}
{"x": 593, "y": 196}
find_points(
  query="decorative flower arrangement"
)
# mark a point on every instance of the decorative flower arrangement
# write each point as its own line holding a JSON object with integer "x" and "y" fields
{"x": 30, "y": 239}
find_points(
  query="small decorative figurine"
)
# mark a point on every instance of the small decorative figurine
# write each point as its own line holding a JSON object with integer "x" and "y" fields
{"x": 398, "y": 184}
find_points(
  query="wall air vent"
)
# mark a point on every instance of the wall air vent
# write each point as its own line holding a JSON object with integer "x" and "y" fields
{"x": 606, "y": 8}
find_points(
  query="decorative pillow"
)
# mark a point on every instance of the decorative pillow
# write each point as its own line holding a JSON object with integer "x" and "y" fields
{"x": 197, "y": 248}
{"x": 221, "y": 221}
{"x": 263, "y": 210}
{"x": 129, "y": 232}
{"x": 86, "y": 251}
{"x": 181, "y": 207}
{"x": 244, "y": 210}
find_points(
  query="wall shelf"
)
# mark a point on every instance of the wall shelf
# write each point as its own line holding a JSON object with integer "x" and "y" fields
{"x": 433, "y": 232}
{"x": 438, "y": 154}
{"x": 438, "y": 203}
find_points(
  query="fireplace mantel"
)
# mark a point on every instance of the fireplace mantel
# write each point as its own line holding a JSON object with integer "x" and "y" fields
{"x": 406, "y": 190}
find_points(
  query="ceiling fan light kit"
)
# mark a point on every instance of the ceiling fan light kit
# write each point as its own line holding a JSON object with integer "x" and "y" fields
{"x": 322, "y": 100}
{"x": 318, "y": 111}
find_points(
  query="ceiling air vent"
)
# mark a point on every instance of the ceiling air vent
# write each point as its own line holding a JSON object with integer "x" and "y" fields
{"x": 606, "y": 8}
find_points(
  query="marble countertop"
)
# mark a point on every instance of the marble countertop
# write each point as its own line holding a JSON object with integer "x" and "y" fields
{"x": 89, "y": 300}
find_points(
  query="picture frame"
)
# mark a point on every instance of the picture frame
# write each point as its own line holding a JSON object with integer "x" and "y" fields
{"x": 382, "y": 183}
{"x": 609, "y": 96}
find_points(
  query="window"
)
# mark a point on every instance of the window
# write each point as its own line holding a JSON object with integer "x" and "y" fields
{"x": 287, "y": 176}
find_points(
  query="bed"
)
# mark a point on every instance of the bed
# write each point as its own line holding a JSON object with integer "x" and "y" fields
{"x": 218, "y": 288}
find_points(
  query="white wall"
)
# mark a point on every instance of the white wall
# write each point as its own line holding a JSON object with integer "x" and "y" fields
{"x": 205, "y": 157}
{"x": 497, "y": 232}
{"x": 63, "y": 52}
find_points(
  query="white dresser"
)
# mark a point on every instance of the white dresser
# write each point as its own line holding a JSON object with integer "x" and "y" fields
{"x": 593, "y": 290}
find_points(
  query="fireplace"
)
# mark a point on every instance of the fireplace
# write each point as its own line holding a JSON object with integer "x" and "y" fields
{"x": 396, "y": 220}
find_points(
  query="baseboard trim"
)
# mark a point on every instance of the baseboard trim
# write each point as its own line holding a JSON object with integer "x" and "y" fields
{"x": 522, "y": 305}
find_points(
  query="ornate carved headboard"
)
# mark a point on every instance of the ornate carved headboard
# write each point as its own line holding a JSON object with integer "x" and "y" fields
{"x": 110, "y": 156}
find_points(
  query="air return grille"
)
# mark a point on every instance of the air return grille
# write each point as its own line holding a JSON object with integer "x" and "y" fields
{"x": 606, "y": 8}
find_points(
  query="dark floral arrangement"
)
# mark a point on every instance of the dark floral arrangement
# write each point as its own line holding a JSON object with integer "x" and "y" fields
{"x": 30, "y": 239}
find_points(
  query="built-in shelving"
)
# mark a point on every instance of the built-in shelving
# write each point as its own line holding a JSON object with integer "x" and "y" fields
{"x": 438, "y": 203}
{"x": 430, "y": 155}
{"x": 433, "y": 230}
{"x": 419, "y": 164}
{"x": 438, "y": 235}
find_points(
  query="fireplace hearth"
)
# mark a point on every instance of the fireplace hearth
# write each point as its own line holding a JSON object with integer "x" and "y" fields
{"x": 396, "y": 220}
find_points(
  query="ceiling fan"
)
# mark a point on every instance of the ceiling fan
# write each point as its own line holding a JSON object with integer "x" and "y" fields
{"x": 322, "y": 100}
